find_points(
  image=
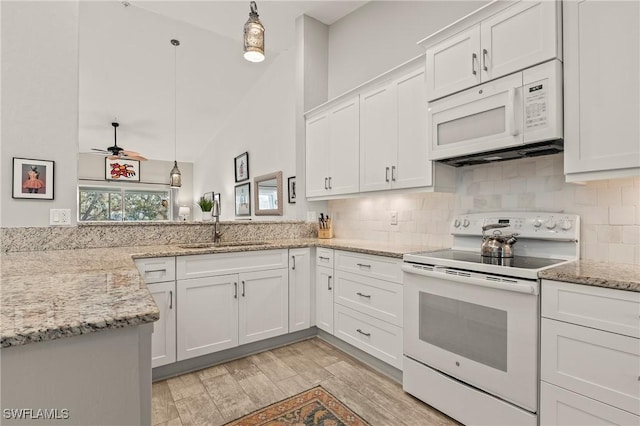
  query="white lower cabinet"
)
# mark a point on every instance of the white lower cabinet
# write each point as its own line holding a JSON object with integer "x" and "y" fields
{"x": 163, "y": 340}
{"x": 324, "y": 298}
{"x": 300, "y": 278}
{"x": 559, "y": 406}
{"x": 368, "y": 304}
{"x": 264, "y": 305}
{"x": 207, "y": 315}
{"x": 225, "y": 310}
{"x": 590, "y": 355}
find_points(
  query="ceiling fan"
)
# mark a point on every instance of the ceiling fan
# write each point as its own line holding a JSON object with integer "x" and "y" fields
{"x": 118, "y": 152}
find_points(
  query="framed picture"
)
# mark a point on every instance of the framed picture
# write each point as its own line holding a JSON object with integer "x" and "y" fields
{"x": 243, "y": 199}
{"x": 292, "y": 189}
{"x": 241, "y": 163}
{"x": 122, "y": 170}
{"x": 32, "y": 179}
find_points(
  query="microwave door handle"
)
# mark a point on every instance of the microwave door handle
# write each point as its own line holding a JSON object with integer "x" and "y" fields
{"x": 511, "y": 119}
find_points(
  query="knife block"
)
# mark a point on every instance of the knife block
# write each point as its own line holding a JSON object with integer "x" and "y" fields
{"x": 327, "y": 232}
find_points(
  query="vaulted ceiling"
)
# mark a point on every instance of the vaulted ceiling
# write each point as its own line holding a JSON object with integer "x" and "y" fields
{"x": 127, "y": 68}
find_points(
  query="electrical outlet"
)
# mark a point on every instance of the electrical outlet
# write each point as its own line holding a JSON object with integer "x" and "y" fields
{"x": 393, "y": 218}
{"x": 59, "y": 217}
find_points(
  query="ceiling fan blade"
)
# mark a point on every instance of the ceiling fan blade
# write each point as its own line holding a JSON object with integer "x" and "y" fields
{"x": 113, "y": 157}
{"x": 129, "y": 153}
{"x": 104, "y": 151}
{"x": 136, "y": 157}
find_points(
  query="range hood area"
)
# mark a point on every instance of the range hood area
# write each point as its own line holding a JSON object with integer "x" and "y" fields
{"x": 522, "y": 151}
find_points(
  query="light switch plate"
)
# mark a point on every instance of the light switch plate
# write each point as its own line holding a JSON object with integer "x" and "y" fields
{"x": 58, "y": 217}
{"x": 393, "y": 218}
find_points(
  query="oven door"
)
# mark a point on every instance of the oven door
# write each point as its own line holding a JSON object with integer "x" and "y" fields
{"x": 482, "y": 330}
{"x": 485, "y": 118}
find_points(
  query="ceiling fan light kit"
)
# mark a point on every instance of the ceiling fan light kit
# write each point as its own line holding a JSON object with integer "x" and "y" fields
{"x": 253, "y": 36}
{"x": 175, "y": 177}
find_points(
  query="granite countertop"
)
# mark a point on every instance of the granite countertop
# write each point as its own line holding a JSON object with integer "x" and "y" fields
{"x": 48, "y": 295}
{"x": 620, "y": 276}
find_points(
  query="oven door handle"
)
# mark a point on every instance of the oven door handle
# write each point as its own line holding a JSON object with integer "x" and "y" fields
{"x": 517, "y": 287}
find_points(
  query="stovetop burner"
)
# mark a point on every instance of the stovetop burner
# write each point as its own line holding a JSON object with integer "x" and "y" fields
{"x": 523, "y": 262}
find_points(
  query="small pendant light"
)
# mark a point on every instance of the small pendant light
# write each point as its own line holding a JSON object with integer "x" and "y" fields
{"x": 253, "y": 36}
{"x": 175, "y": 179}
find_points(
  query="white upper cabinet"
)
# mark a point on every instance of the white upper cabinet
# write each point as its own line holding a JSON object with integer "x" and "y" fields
{"x": 601, "y": 89}
{"x": 393, "y": 141}
{"x": 332, "y": 139}
{"x": 453, "y": 65}
{"x": 492, "y": 43}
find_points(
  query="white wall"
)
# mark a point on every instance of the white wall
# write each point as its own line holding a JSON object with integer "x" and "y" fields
{"x": 383, "y": 34}
{"x": 39, "y": 102}
{"x": 264, "y": 125}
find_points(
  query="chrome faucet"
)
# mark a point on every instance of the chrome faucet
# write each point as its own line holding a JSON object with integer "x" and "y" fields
{"x": 215, "y": 212}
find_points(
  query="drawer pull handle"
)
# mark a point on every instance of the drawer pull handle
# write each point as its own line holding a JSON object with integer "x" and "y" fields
{"x": 155, "y": 270}
{"x": 362, "y": 265}
{"x": 363, "y": 333}
{"x": 235, "y": 290}
{"x": 323, "y": 258}
{"x": 368, "y": 296}
{"x": 170, "y": 299}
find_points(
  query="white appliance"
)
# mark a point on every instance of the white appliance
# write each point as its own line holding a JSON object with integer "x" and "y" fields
{"x": 471, "y": 323}
{"x": 514, "y": 116}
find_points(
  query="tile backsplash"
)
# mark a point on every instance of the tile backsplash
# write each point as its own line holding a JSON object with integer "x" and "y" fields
{"x": 609, "y": 209}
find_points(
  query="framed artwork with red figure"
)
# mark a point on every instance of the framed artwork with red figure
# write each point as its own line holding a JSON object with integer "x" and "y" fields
{"x": 122, "y": 170}
{"x": 32, "y": 179}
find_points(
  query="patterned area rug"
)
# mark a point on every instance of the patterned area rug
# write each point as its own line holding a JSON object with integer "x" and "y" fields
{"x": 313, "y": 407}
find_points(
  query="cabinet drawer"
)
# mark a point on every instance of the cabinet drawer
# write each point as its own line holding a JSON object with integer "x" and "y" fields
{"x": 562, "y": 407}
{"x": 324, "y": 257}
{"x": 378, "y": 338}
{"x": 157, "y": 269}
{"x": 377, "y": 298}
{"x": 597, "y": 364}
{"x": 207, "y": 265}
{"x": 607, "y": 309}
{"x": 384, "y": 268}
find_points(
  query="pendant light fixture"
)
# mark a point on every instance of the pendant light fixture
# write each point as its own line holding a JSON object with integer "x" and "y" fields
{"x": 175, "y": 179}
{"x": 253, "y": 36}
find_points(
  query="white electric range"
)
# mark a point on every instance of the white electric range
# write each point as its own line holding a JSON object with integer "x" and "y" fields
{"x": 471, "y": 323}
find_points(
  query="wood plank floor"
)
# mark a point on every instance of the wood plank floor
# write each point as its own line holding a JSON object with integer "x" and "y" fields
{"x": 222, "y": 393}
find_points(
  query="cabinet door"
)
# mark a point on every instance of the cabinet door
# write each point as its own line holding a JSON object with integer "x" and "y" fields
{"x": 454, "y": 64}
{"x": 299, "y": 289}
{"x": 378, "y": 137}
{"x": 317, "y": 155}
{"x": 597, "y": 364}
{"x": 412, "y": 167}
{"x": 344, "y": 142}
{"x": 208, "y": 315}
{"x": 520, "y": 36}
{"x": 324, "y": 299}
{"x": 163, "y": 340}
{"x": 602, "y": 88}
{"x": 264, "y": 305}
{"x": 565, "y": 408}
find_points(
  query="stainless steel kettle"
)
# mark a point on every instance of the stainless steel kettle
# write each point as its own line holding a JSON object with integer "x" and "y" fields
{"x": 497, "y": 245}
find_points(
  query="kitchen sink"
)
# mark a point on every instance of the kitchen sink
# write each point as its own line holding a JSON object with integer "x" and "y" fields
{"x": 223, "y": 244}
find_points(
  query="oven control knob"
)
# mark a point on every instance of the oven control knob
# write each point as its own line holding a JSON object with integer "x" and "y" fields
{"x": 456, "y": 223}
{"x": 466, "y": 223}
{"x": 537, "y": 223}
{"x": 550, "y": 224}
{"x": 565, "y": 225}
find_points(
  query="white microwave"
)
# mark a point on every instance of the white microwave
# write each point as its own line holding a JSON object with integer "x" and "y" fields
{"x": 501, "y": 116}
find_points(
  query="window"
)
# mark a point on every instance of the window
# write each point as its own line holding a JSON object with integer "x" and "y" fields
{"x": 120, "y": 204}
